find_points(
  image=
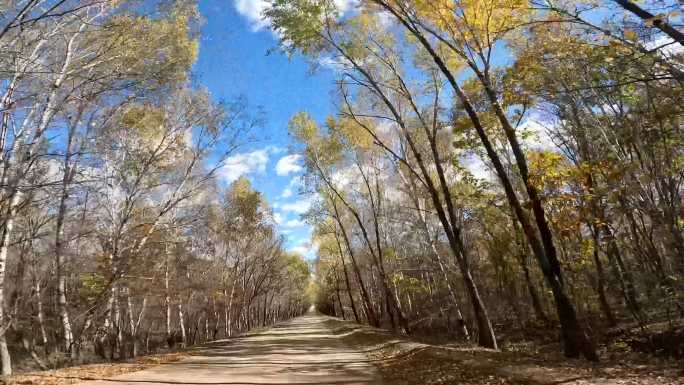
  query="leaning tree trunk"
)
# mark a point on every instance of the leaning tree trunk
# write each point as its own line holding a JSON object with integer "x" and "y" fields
{"x": 393, "y": 306}
{"x": 576, "y": 342}
{"x": 337, "y": 293}
{"x": 624, "y": 276}
{"x": 368, "y": 304}
{"x": 62, "y": 305}
{"x": 539, "y": 312}
{"x": 346, "y": 279}
{"x": 450, "y": 225}
{"x": 485, "y": 331}
{"x": 601, "y": 281}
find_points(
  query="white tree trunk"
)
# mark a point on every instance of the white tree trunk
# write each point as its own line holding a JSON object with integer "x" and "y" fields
{"x": 41, "y": 315}
{"x": 5, "y": 358}
{"x": 181, "y": 323}
{"x": 167, "y": 301}
{"x": 229, "y": 310}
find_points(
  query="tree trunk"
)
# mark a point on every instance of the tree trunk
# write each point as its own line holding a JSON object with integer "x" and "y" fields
{"x": 5, "y": 358}
{"x": 134, "y": 324}
{"x": 624, "y": 276}
{"x": 485, "y": 332}
{"x": 657, "y": 21}
{"x": 181, "y": 323}
{"x": 167, "y": 302}
{"x": 346, "y": 279}
{"x": 393, "y": 308}
{"x": 600, "y": 282}
{"x": 337, "y": 293}
{"x": 118, "y": 326}
{"x": 539, "y": 312}
{"x": 368, "y": 305}
{"x": 447, "y": 218}
{"x": 41, "y": 315}
{"x": 62, "y": 304}
{"x": 103, "y": 333}
{"x": 229, "y": 309}
{"x": 543, "y": 248}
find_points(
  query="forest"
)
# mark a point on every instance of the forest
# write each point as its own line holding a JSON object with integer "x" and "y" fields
{"x": 498, "y": 165}
{"x": 495, "y": 172}
{"x": 116, "y": 238}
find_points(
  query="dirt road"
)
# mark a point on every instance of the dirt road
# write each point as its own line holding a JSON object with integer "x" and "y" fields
{"x": 301, "y": 351}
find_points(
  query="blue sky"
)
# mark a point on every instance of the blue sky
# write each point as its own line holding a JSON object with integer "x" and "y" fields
{"x": 234, "y": 62}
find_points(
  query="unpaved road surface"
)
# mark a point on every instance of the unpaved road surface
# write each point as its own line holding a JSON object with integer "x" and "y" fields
{"x": 301, "y": 351}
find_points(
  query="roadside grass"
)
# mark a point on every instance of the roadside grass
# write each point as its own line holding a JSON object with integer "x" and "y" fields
{"x": 406, "y": 360}
{"x": 76, "y": 374}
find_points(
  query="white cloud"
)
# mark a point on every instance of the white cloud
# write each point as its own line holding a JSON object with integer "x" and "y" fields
{"x": 666, "y": 46}
{"x": 286, "y": 193}
{"x": 337, "y": 64}
{"x": 277, "y": 218}
{"x": 344, "y": 5}
{"x": 294, "y": 223}
{"x": 299, "y": 207}
{"x": 253, "y": 11}
{"x": 289, "y": 164}
{"x": 474, "y": 164}
{"x": 275, "y": 150}
{"x": 345, "y": 176}
{"x": 242, "y": 164}
{"x": 295, "y": 185}
{"x": 385, "y": 19}
{"x": 306, "y": 249}
{"x": 538, "y": 136}
{"x": 300, "y": 249}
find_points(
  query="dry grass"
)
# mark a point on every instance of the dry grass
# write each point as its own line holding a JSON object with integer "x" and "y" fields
{"x": 75, "y": 374}
{"x": 403, "y": 361}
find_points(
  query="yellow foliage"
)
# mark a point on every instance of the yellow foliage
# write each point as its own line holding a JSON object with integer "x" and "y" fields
{"x": 441, "y": 12}
{"x": 147, "y": 129}
{"x": 146, "y": 121}
{"x": 245, "y": 199}
{"x": 303, "y": 128}
{"x": 353, "y": 133}
{"x": 160, "y": 48}
{"x": 548, "y": 169}
{"x": 474, "y": 21}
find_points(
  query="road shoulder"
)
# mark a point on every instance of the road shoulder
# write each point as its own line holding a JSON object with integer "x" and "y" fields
{"x": 404, "y": 361}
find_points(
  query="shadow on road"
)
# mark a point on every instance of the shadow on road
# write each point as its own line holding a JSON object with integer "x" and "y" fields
{"x": 305, "y": 350}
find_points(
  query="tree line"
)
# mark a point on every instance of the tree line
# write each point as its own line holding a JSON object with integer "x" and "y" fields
{"x": 575, "y": 110}
{"x": 117, "y": 237}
